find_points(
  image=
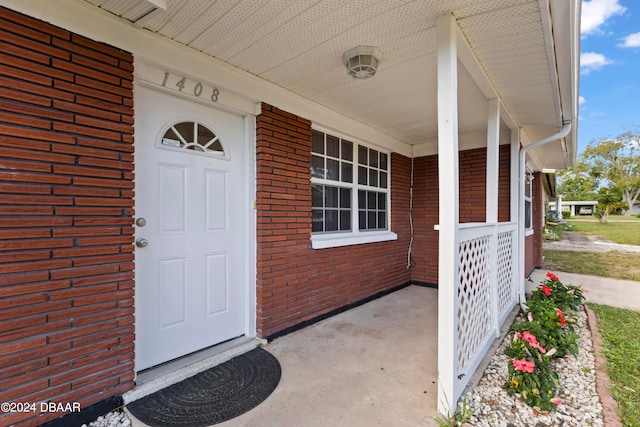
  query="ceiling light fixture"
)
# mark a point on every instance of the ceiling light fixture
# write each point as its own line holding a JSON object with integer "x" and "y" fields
{"x": 362, "y": 61}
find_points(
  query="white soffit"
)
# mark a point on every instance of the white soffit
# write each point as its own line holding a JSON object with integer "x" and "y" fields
{"x": 298, "y": 45}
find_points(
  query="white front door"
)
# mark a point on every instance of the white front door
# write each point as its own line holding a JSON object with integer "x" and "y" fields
{"x": 190, "y": 226}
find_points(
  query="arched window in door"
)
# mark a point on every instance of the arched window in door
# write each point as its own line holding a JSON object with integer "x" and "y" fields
{"x": 192, "y": 135}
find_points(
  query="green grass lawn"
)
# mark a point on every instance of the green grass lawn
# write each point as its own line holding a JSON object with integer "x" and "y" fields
{"x": 627, "y": 233}
{"x": 620, "y": 330}
{"x": 611, "y": 218}
{"x": 604, "y": 264}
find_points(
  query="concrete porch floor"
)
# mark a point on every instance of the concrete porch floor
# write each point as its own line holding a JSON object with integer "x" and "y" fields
{"x": 373, "y": 365}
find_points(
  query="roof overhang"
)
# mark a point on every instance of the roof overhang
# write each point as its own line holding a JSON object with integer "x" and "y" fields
{"x": 289, "y": 53}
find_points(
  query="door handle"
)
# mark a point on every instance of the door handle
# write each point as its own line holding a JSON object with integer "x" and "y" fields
{"x": 141, "y": 243}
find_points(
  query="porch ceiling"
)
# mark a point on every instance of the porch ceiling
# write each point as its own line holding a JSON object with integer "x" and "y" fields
{"x": 298, "y": 45}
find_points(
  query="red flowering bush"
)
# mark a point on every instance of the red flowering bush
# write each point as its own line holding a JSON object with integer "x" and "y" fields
{"x": 547, "y": 332}
{"x": 552, "y": 326}
{"x": 530, "y": 371}
{"x": 565, "y": 297}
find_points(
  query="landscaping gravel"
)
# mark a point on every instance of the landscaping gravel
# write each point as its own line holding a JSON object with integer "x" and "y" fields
{"x": 112, "y": 419}
{"x": 577, "y": 387}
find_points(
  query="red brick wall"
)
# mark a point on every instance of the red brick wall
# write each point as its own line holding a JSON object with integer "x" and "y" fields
{"x": 504, "y": 184}
{"x": 296, "y": 283}
{"x": 529, "y": 252}
{"x": 66, "y": 206}
{"x": 533, "y": 243}
{"x": 472, "y": 184}
{"x": 424, "y": 257}
{"x": 538, "y": 218}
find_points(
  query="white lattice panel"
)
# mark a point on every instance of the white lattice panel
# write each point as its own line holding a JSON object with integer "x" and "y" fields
{"x": 506, "y": 286}
{"x": 474, "y": 299}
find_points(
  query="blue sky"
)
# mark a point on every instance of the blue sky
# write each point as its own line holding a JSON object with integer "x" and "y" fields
{"x": 609, "y": 69}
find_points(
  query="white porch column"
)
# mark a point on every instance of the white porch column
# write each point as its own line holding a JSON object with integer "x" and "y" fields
{"x": 448, "y": 211}
{"x": 518, "y": 258}
{"x": 493, "y": 147}
{"x": 559, "y": 204}
{"x": 515, "y": 174}
{"x": 493, "y": 162}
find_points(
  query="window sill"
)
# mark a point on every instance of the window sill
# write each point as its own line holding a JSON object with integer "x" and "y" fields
{"x": 323, "y": 241}
{"x": 528, "y": 232}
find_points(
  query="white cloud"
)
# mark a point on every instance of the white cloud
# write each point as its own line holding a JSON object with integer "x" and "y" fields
{"x": 596, "y": 12}
{"x": 592, "y": 61}
{"x": 632, "y": 40}
{"x": 581, "y": 100}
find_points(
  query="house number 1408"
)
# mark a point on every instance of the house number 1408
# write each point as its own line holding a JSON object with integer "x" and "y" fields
{"x": 187, "y": 86}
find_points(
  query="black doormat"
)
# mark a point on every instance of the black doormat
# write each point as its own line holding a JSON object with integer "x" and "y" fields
{"x": 213, "y": 396}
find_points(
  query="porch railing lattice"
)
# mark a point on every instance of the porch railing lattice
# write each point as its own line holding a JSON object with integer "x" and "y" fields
{"x": 486, "y": 293}
{"x": 507, "y": 291}
{"x": 473, "y": 296}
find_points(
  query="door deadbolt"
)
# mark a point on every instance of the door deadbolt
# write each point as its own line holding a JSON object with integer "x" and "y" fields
{"x": 141, "y": 222}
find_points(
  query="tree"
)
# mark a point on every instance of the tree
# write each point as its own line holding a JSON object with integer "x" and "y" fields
{"x": 576, "y": 183}
{"x": 613, "y": 164}
{"x": 608, "y": 201}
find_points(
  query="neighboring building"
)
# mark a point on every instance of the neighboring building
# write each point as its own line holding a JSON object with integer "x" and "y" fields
{"x": 575, "y": 207}
{"x": 178, "y": 174}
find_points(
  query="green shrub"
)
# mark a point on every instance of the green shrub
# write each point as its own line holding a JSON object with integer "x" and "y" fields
{"x": 530, "y": 372}
{"x": 564, "y": 297}
{"x": 548, "y": 332}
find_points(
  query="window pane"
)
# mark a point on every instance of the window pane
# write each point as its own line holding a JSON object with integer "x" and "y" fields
{"x": 527, "y": 214}
{"x": 362, "y": 175}
{"x": 345, "y": 220}
{"x": 373, "y": 177}
{"x": 373, "y": 158}
{"x": 347, "y": 150}
{"x": 382, "y": 220}
{"x": 317, "y": 167}
{"x": 317, "y": 195}
{"x": 214, "y": 146}
{"x": 331, "y": 197}
{"x": 333, "y": 169}
{"x": 317, "y": 145}
{"x": 371, "y": 200}
{"x": 204, "y": 134}
{"x": 331, "y": 220}
{"x": 170, "y": 134}
{"x": 383, "y": 180}
{"x": 333, "y": 146}
{"x": 371, "y": 220}
{"x": 345, "y": 197}
{"x": 317, "y": 220}
{"x": 382, "y": 201}
{"x": 383, "y": 161}
{"x": 362, "y": 199}
{"x": 347, "y": 172}
{"x": 362, "y": 217}
{"x": 362, "y": 155}
{"x": 185, "y": 129}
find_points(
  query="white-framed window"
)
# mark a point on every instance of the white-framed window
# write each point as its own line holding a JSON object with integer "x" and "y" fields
{"x": 350, "y": 192}
{"x": 528, "y": 205}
